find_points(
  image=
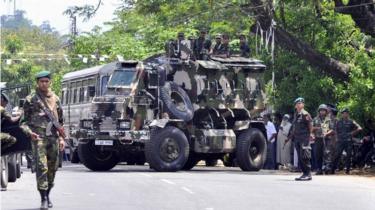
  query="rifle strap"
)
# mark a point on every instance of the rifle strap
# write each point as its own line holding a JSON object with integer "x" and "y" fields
{"x": 46, "y": 109}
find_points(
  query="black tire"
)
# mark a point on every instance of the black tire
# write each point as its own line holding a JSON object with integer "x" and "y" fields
{"x": 96, "y": 160}
{"x": 4, "y": 172}
{"x": 18, "y": 167}
{"x": 190, "y": 163}
{"x": 166, "y": 96}
{"x": 211, "y": 162}
{"x": 251, "y": 151}
{"x": 12, "y": 168}
{"x": 167, "y": 150}
{"x": 74, "y": 158}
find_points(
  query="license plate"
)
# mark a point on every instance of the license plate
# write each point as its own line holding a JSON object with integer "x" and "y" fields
{"x": 104, "y": 142}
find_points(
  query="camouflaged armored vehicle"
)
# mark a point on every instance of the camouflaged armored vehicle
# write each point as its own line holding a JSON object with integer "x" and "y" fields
{"x": 170, "y": 112}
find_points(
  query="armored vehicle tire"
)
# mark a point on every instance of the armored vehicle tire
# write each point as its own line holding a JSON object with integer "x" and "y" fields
{"x": 18, "y": 166}
{"x": 12, "y": 168}
{"x": 4, "y": 172}
{"x": 171, "y": 93}
{"x": 167, "y": 150}
{"x": 211, "y": 162}
{"x": 190, "y": 163}
{"x": 96, "y": 160}
{"x": 251, "y": 151}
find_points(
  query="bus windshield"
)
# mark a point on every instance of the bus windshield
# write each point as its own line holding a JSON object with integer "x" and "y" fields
{"x": 121, "y": 78}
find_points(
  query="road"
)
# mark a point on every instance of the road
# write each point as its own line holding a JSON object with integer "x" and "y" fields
{"x": 203, "y": 188}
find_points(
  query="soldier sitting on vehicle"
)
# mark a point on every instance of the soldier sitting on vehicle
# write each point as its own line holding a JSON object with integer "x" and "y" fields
{"x": 202, "y": 46}
{"x": 224, "y": 50}
{"x": 217, "y": 46}
{"x": 244, "y": 47}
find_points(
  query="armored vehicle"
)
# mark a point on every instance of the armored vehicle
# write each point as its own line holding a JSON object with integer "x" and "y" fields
{"x": 169, "y": 112}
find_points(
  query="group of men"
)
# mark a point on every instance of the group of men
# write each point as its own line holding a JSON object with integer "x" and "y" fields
{"x": 202, "y": 47}
{"x": 40, "y": 110}
{"x": 331, "y": 136}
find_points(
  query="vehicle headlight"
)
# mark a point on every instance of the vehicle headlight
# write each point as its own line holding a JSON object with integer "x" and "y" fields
{"x": 86, "y": 124}
{"x": 123, "y": 124}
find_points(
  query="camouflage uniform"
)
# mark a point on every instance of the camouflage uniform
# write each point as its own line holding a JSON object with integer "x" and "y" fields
{"x": 301, "y": 136}
{"x": 344, "y": 141}
{"x": 46, "y": 149}
{"x": 325, "y": 124}
{"x": 6, "y": 139}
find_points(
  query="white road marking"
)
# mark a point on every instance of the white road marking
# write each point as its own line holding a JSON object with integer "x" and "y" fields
{"x": 167, "y": 181}
{"x": 146, "y": 175}
{"x": 209, "y": 208}
{"x": 187, "y": 190}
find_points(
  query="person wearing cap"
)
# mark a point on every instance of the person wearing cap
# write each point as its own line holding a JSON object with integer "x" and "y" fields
{"x": 322, "y": 129}
{"x": 244, "y": 47}
{"x": 346, "y": 128}
{"x": 46, "y": 142}
{"x": 301, "y": 134}
{"x": 283, "y": 147}
{"x": 202, "y": 46}
{"x": 217, "y": 46}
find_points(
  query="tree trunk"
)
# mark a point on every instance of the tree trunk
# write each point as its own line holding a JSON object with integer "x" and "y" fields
{"x": 303, "y": 50}
{"x": 362, "y": 12}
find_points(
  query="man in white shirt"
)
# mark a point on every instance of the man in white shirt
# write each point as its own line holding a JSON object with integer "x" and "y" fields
{"x": 271, "y": 137}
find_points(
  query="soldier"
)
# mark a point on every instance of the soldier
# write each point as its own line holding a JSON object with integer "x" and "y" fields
{"x": 346, "y": 128}
{"x": 217, "y": 46}
{"x": 224, "y": 50}
{"x": 6, "y": 139}
{"x": 41, "y": 109}
{"x": 202, "y": 46}
{"x": 244, "y": 47}
{"x": 322, "y": 129}
{"x": 301, "y": 135}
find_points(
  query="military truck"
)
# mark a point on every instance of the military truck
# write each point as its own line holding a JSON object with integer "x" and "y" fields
{"x": 170, "y": 112}
{"x": 11, "y": 158}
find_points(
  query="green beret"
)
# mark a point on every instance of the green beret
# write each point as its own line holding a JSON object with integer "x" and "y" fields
{"x": 299, "y": 99}
{"x": 345, "y": 110}
{"x": 42, "y": 74}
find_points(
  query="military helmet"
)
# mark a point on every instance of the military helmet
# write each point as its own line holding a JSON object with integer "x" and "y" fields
{"x": 323, "y": 106}
{"x": 43, "y": 74}
{"x": 346, "y": 109}
{"x": 298, "y": 100}
{"x": 218, "y": 36}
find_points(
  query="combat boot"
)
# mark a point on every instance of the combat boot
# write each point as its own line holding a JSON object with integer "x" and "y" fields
{"x": 44, "y": 203}
{"x": 50, "y": 205}
{"x": 304, "y": 177}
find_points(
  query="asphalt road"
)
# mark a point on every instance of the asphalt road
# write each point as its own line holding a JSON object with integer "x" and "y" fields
{"x": 217, "y": 188}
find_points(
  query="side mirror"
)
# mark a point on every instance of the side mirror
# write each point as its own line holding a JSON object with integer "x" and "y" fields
{"x": 91, "y": 90}
{"x": 21, "y": 103}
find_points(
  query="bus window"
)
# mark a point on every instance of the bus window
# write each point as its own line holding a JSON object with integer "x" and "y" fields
{"x": 74, "y": 96}
{"x": 81, "y": 94}
{"x": 104, "y": 84}
{"x": 62, "y": 97}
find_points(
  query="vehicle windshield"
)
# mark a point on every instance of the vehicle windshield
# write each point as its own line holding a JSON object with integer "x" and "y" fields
{"x": 121, "y": 78}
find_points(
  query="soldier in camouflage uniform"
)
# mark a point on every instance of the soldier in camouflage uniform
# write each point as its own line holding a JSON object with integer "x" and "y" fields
{"x": 322, "y": 129}
{"x": 346, "y": 128}
{"x": 301, "y": 135}
{"x": 46, "y": 141}
{"x": 6, "y": 139}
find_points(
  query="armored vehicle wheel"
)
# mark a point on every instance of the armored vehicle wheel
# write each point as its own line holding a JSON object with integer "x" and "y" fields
{"x": 211, "y": 162}
{"x": 12, "y": 168}
{"x": 167, "y": 150}
{"x": 190, "y": 163}
{"x": 4, "y": 172}
{"x": 177, "y": 101}
{"x": 96, "y": 159}
{"x": 251, "y": 150}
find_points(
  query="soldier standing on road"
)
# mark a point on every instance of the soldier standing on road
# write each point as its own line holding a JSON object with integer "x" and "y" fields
{"x": 301, "y": 135}
{"x": 47, "y": 142}
{"x": 322, "y": 128}
{"x": 346, "y": 128}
